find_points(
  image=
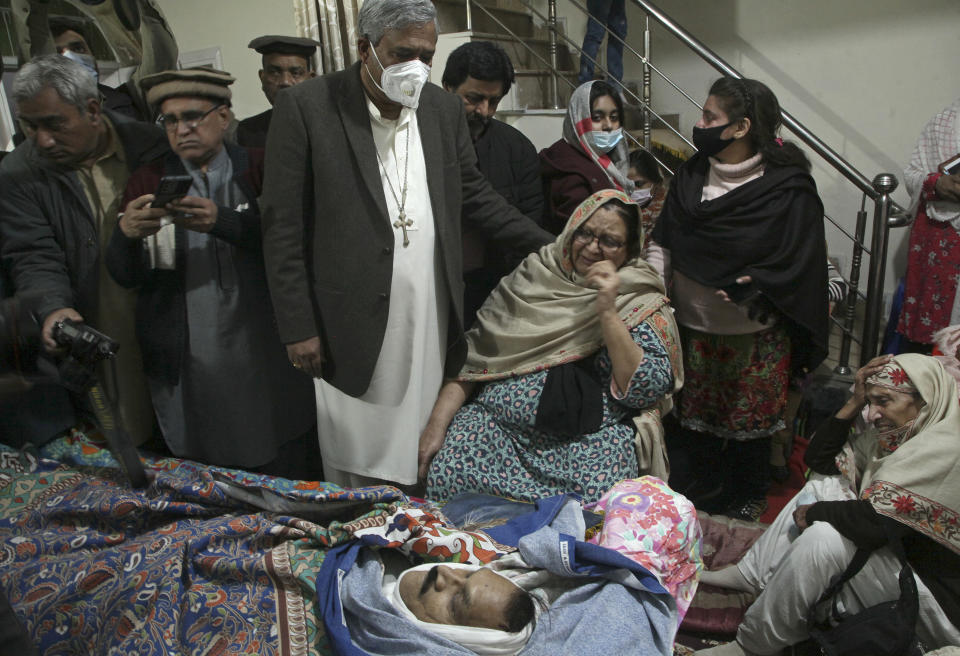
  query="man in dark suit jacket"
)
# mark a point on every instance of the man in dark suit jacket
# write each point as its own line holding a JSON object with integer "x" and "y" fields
{"x": 329, "y": 240}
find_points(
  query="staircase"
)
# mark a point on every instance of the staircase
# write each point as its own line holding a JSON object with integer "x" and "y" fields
{"x": 528, "y": 106}
{"x": 531, "y": 90}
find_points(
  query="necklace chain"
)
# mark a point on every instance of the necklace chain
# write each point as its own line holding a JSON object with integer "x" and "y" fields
{"x": 402, "y": 221}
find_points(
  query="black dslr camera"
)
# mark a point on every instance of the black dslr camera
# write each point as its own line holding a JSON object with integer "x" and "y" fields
{"x": 22, "y": 358}
{"x": 86, "y": 348}
{"x": 21, "y": 348}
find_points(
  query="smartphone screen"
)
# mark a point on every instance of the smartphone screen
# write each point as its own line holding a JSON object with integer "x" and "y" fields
{"x": 952, "y": 167}
{"x": 171, "y": 188}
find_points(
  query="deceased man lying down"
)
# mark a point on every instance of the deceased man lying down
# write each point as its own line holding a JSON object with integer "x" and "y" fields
{"x": 532, "y": 585}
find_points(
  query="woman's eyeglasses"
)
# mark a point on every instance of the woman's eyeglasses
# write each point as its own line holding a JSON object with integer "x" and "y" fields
{"x": 191, "y": 119}
{"x": 607, "y": 243}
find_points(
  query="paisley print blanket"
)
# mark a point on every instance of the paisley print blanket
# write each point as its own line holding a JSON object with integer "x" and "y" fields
{"x": 205, "y": 560}
{"x": 184, "y": 566}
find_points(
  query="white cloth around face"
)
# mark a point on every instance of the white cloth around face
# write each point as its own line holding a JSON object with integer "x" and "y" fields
{"x": 487, "y": 642}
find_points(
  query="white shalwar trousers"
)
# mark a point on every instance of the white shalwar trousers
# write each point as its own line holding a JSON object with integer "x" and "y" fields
{"x": 792, "y": 572}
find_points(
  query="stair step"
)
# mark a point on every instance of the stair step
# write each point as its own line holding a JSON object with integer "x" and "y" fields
{"x": 452, "y": 17}
{"x": 666, "y": 138}
{"x": 633, "y": 115}
{"x": 521, "y": 56}
{"x": 531, "y": 90}
{"x": 542, "y": 71}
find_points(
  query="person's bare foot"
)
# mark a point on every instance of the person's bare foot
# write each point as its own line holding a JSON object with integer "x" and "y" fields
{"x": 729, "y": 577}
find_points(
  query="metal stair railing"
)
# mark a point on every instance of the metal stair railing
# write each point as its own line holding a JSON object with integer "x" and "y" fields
{"x": 551, "y": 20}
{"x": 887, "y": 213}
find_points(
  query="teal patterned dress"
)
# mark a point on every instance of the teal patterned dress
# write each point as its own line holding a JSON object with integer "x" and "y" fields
{"x": 493, "y": 447}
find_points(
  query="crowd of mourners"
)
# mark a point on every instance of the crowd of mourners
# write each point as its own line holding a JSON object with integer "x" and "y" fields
{"x": 375, "y": 281}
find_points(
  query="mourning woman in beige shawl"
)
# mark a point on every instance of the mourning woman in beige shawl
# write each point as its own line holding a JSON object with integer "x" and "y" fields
{"x": 567, "y": 350}
{"x": 900, "y": 477}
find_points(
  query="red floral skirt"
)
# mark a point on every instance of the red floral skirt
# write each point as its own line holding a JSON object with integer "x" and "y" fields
{"x": 933, "y": 266}
{"x": 735, "y": 386}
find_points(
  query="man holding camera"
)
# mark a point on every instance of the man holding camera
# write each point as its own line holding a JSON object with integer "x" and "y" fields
{"x": 59, "y": 198}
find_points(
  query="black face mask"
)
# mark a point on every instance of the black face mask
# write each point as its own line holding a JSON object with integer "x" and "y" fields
{"x": 708, "y": 141}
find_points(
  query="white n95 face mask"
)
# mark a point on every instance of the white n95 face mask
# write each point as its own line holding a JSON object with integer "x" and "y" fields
{"x": 403, "y": 82}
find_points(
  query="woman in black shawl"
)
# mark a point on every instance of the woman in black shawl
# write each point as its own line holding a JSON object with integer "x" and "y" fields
{"x": 743, "y": 241}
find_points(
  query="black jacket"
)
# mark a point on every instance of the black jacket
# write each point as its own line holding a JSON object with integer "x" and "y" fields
{"x": 510, "y": 164}
{"x": 161, "y": 307}
{"x": 252, "y": 131}
{"x": 48, "y": 235}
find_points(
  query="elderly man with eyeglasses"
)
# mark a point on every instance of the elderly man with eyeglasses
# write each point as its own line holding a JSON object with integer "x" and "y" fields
{"x": 222, "y": 388}
{"x": 59, "y": 197}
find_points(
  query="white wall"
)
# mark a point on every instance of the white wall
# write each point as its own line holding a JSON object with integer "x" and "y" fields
{"x": 230, "y": 25}
{"x": 864, "y": 75}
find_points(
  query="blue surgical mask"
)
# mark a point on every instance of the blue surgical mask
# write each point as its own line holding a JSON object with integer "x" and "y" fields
{"x": 641, "y": 196}
{"x": 603, "y": 142}
{"x": 87, "y": 61}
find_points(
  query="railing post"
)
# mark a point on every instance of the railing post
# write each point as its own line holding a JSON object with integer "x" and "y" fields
{"x": 469, "y": 16}
{"x": 554, "y": 61}
{"x": 646, "y": 82}
{"x": 883, "y": 184}
{"x": 853, "y": 292}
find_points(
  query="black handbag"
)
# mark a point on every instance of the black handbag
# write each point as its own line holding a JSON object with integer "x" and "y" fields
{"x": 887, "y": 629}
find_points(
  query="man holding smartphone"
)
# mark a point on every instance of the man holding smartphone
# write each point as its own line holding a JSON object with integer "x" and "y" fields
{"x": 59, "y": 197}
{"x": 222, "y": 388}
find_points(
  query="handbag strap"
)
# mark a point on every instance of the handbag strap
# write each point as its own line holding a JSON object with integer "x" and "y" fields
{"x": 856, "y": 564}
{"x": 908, "y": 588}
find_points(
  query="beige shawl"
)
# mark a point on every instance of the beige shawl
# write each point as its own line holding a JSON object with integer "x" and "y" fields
{"x": 542, "y": 314}
{"x": 919, "y": 483}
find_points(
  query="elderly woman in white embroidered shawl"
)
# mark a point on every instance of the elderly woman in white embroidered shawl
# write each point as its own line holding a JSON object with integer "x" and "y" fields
{"x": 570, "y": 347}
{"x": 901, "y": 477}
